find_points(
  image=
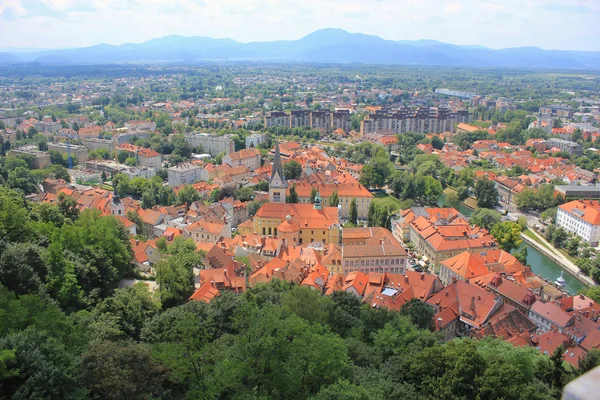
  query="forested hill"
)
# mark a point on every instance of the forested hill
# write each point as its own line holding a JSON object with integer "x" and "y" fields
{"x": 68, "y": 333}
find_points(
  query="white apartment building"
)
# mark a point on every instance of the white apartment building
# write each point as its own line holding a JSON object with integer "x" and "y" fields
{"x": 186, "y": 174}
{"x": 213, "y": 145}
{"x": 582, "y": 218}
{"x": 255, "y": 139}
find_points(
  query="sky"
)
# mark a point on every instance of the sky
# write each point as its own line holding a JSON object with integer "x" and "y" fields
{"x": 549, "y": 24}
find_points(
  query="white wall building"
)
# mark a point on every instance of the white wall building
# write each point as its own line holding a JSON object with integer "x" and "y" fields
{"x": 186, "y": 174}
{"x": 582, "y": 218}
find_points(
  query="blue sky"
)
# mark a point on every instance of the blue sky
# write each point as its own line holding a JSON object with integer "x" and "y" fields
{"x": 549, "y": 24}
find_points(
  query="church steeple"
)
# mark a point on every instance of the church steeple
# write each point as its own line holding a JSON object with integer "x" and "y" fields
{"x": 318, "y": 205}
{"x": 277, "y": 185}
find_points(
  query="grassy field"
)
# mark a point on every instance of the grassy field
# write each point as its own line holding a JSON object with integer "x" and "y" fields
{"x": 532, "y": 235}
{"x": 389, "y": 201}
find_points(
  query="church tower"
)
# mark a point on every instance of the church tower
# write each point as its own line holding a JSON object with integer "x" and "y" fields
{"x": 116, "y": 206}
{"x": 277, "y": 185}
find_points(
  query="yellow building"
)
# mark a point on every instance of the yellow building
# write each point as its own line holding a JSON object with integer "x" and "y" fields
{"x": 345, "y": 191}
{"x": 302, "y": 223}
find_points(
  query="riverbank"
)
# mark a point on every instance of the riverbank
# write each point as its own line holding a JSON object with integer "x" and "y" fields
{"x": 546, "y": 249}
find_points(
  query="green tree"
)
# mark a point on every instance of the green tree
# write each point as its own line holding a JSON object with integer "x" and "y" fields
{"x": 292, "y": 198}
{"x": 122, "y": 156}
{"x": 313, "y": 195}
{"x": 117, "y": 370}
{"x": 68, "y": 206}
{"x": 589, "y": 361}
{"x": 46, "y": 368}
{"x": 572, "y": 246}
{"x": 175, "y": 278}
{"x": 559, "y": 237}
{"x": 452, "y": 200}
{"x": 22, "y": 268}
{"x": 508, "y": 235}
{"x": 343, "y": 390}
{"x": 521, "y": 255}
{"x": 131, "y": 308}
{"x": 486, "y": 193}
{"x": 187, "y": 195}
{"x": 592, "y": 292}
{"x": 486, "y": 218}
{"x": 244, "y": 194}
{"x": 353, "y": 212}
{"x": 420, "y": 313}
{"x": 334, "y": 199}
{"x": 100, "y": 251}
{"x": 292, "y": 170}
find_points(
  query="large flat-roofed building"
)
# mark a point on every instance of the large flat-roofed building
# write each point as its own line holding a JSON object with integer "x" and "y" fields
{"x": 565, "y": 145}
{"x": 582, "y": 218}
{"x": 341, "y": 120}
{"x": 186, "y": 174}
{"x": 422, "y": 120}
{"x": 78, "y": 153}
{"x": 255, "y": 139}
{"x": 95, "y": 144}
{"x": 112, "y": 167}
{"x": 321, "y": 120}
{"x": 557, "y": 111}
{"x": 300, "y": 118}
{"x": 277, "y": 118}
{"x": 212, "y": 144}
{"x": 578, "y": 191}
{"x": 41, "y": 159}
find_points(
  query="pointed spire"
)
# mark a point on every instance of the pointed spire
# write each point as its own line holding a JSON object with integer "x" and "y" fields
{"x": 277, "y": 177}
{"x": 115, "y": 198}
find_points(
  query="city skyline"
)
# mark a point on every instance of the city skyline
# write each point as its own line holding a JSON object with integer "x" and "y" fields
{"x": 70, "y": 23}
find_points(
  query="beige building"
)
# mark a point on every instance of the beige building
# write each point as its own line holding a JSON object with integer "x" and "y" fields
{"x": 345, "y": 191}
{"x": 207, "y": 232}
{"x": 372, "y": 250}
{"x": 249, "y": 158}
{"x": 80, "y": 154}
{"x": 41, "y": 159}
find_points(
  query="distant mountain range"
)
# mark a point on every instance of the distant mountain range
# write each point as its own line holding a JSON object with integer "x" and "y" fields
{"x": 326, "y": 45}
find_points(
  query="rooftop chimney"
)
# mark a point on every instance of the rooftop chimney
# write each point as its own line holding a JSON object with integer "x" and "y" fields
{"x": 439, "y": 323}
{"x": 422, "y": 276}
{"x": 472, "y": 304}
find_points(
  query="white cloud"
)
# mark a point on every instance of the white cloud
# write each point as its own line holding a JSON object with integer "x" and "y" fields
{"x": 559, "y": 24}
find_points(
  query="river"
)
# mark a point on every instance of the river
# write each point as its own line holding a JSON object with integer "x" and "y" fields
{"x": 540, "y": 264}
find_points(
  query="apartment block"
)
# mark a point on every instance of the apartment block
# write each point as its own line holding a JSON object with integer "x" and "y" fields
{"x": 421, "y": 120}
{"x": 277, "y": 118}
{"x": 41, "y": 158}
{"x": 321, "y": 120}
{"x": 212, "y": 144}
{"x": 78, "y": 153}
{"x": 95, "y": 144}
{"x": 186, "y": 174}
{"x": 300, "y": 119}
{"x": 341, "y": 120}
{"x": 565, "y": 145}
{"x": 255, "y": 139}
